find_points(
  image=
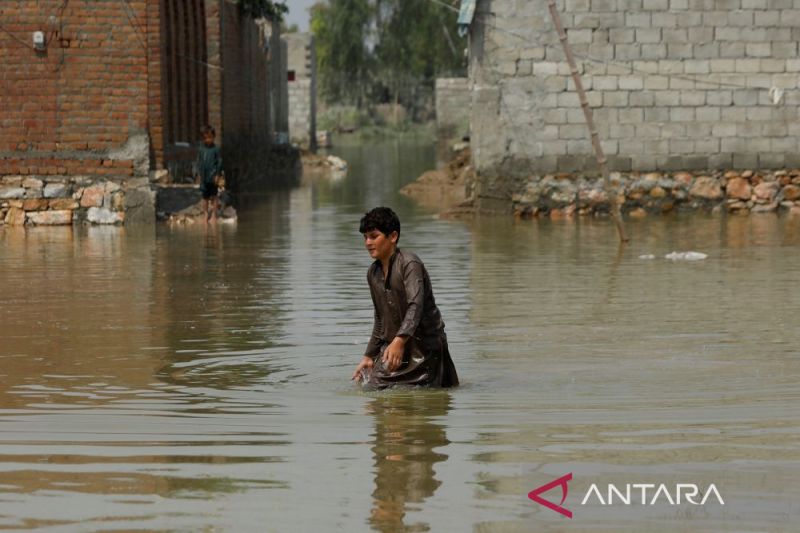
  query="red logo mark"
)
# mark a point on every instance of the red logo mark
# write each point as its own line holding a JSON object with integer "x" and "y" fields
{"x": 534, "y": 495}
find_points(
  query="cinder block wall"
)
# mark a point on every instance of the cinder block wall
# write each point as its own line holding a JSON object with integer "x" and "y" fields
{"x": 680, "y": 85}
{"x": 452, "y": 106}
{"x": 302, "y": 90}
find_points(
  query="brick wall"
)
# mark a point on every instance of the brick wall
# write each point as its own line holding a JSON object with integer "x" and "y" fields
{"x": 680, "y": 85}
{"x": 75, "y": 106}
{"x": 123, "y": 87}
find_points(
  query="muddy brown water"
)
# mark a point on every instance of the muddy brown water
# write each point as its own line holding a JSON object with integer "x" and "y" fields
{"x": 184, "y": 379}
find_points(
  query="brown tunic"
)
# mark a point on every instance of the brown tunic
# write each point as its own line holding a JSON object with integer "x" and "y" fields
{"x": 404, "y": 305}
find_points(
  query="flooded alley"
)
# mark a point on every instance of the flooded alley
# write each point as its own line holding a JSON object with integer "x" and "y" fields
{"x": 184, "y": 378}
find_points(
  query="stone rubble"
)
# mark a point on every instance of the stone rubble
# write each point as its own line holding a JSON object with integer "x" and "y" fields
{"x": 642, "y": 194}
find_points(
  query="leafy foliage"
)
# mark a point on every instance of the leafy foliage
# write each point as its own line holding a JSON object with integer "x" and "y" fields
{"x": 270, "y": 9}
{"x": 377, "y": 51}
{"x": 341, "y": 30}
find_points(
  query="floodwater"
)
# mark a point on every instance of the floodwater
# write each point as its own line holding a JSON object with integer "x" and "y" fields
{"x": 184, "y": 379}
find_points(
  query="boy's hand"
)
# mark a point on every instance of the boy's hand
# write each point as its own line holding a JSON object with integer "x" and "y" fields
{"x": 366, "y": 362}
{"x": 393, "y": 354}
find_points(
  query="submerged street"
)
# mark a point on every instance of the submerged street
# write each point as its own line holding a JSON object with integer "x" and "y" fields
{"x": 186, "y": 378}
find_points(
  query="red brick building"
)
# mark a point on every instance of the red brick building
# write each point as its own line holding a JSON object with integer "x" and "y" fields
{"x": 95, "y": 91}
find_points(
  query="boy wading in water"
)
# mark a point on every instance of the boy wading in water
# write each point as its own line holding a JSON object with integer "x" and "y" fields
{"x": 208, "y": 170}
{"x": 408, "y": 344}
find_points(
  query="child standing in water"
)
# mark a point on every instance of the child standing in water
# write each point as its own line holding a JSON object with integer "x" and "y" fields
{"x": 208, "y": 169}
{"x": 408, "y": 345}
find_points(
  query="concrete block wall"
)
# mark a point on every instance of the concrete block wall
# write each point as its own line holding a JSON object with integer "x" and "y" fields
{"x": 452, "y": 106}
{"x": 302, "y": 89}
{"x": 300, "y": 111}
{"x": 676, "y": 85}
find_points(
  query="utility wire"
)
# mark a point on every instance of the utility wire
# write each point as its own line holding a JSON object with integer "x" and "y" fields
{"x": 23, "y": 42}
{"x": 200, "y": 62}
{"x": 59, "y": 18}
{"x": 137, "y": 27}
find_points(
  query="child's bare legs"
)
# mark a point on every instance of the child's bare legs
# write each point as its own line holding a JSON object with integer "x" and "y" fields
{"x": 214, "y": 208}
{"x": 205, "y": 209}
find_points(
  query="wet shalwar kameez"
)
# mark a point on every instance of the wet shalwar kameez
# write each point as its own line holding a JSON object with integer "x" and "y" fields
{"x": 404, "y": 305}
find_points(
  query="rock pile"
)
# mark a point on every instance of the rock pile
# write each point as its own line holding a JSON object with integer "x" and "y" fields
{"x": 640, "y": 194}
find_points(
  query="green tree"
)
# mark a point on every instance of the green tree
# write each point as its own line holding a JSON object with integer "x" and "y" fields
{"x": 416, "y": 43}
{"x": 419, "y": 38}
{"x": 341, "y": 29}
{"x": 376, "y": 51}
{"x": 270, "y": 9}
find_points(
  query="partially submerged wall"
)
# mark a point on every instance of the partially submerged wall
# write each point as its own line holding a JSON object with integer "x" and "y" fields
{"x": 674, "y": 85}
{"x": 74, "y": 112}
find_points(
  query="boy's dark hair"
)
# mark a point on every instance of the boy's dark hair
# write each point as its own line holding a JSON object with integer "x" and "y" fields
{"x": 382, "y": 219}
{"x": 207, "y": 129}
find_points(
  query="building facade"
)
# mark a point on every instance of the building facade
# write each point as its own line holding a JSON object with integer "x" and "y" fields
{"x": 302, "y": 80}
{"x": 102, "y": 98}
{"x": 674, "y": 85}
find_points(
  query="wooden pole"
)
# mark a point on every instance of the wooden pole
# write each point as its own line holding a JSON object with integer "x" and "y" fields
{"x": 587, "y": 113}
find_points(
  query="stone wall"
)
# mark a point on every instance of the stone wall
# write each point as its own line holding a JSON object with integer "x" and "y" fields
{"x": 452, "y": 107}
{"x": 302, "y": 89}
{"x": 676, "y": 85}
{"x": 640, "y": 194}
{"x": 26, "y": 200}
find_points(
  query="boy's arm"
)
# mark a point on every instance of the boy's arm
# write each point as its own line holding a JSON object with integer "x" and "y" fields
{"x": 218, "y": 169}
{"x": 196, "y": 167}
{"x": 414, "y": 283}
{"x": 374, "y": 345}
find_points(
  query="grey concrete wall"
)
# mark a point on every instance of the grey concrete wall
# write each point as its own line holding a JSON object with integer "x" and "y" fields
{"x": 278, "y": 87}
{"x": 452, "y": 106}
{"x": 678, "y": 85}
{"x": 282, "y": 93}
{"x": 302, "y": 91}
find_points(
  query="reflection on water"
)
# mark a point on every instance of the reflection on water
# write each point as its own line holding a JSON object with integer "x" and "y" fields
{"x": 192, "y": 378}
{"x": 407, "y": 440}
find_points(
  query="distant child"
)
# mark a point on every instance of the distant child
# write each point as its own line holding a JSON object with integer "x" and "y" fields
{"x": 208, "y": 171}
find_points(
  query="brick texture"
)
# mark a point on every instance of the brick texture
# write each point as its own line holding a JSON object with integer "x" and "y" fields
{"x": 124, "y": 81}
{"x": 86, "y": 92}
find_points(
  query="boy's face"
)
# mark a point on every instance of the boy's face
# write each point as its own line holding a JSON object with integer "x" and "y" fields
{"x": 378, "y": 245}
{"x": 208, "y": 138}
